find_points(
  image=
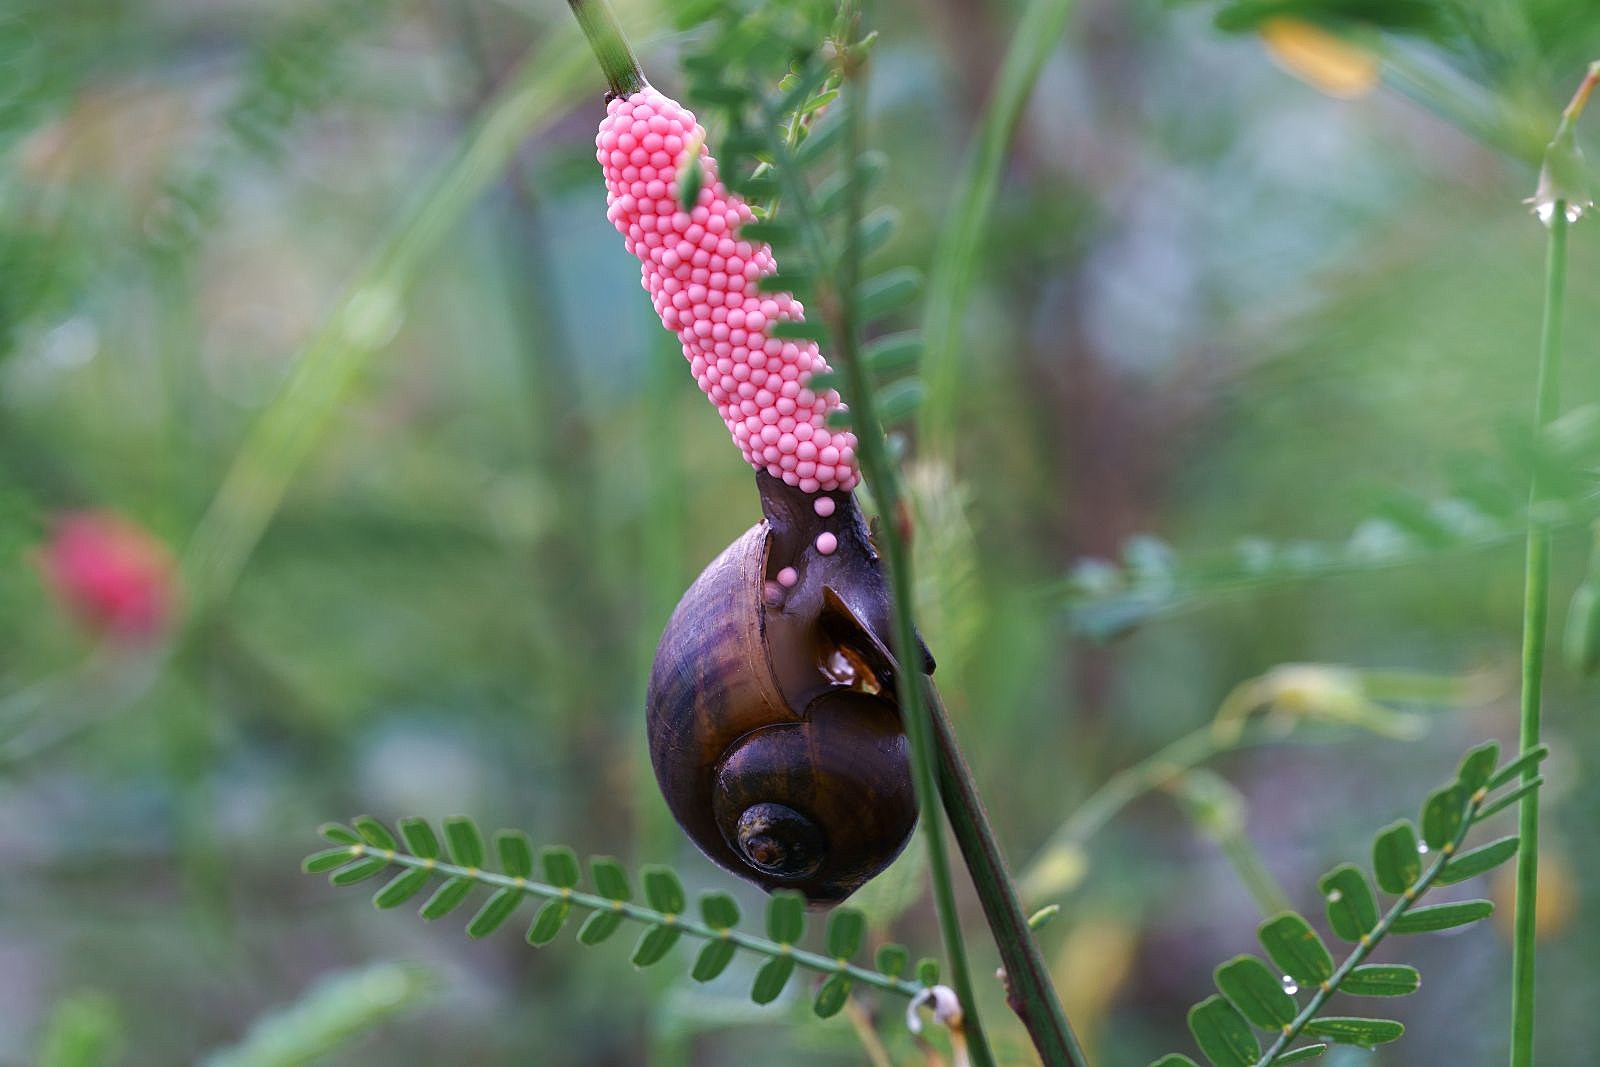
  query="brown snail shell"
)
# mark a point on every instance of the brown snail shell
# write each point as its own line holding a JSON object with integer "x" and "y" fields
{"x": 774, "y": 729}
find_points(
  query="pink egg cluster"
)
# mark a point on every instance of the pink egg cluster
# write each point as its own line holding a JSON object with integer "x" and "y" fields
{"x": 701, "y": 276}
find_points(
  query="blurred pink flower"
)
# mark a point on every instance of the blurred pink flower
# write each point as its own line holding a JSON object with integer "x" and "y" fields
{"x": 110, "y": 575}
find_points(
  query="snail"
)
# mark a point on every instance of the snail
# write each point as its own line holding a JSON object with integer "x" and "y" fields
{"x": 774, "y": 729}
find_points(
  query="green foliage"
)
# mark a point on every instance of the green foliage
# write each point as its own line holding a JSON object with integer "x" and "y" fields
{"x": 1487, "y": 509}
{"x": 292, "y": 73}
{"x": 767, "y": 75}
{"x": 337, "y": 1008}
{"x": 367, "y": 848}
{"x": 1252, "y": 996}
{"x": 84, "y": 1030}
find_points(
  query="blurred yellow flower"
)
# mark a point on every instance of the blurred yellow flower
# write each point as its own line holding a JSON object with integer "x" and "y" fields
{"x": 1320, "y": 59}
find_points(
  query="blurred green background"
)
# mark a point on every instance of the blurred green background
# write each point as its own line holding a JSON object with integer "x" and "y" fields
{"x": 323, "y": 297}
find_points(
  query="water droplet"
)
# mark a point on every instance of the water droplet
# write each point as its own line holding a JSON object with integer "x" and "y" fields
{"x": 1335, "y": 896}
{"x": 1289, "y": 986}
{"x": 1422, "y": 848}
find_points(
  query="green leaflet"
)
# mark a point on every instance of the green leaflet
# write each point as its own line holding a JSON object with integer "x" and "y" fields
{"x": 548, "y": 921}
{"x": 831, "y": 997}
{"x": 1502, "y": 803}
{"x": 1395, "y": 859}
{"x": 466, "y": 843}
{"x": 1442, "y": 917}
{"x": 359, "y": 871}
{"x": 496, "y": 910}
{"x": 1352, "y": 909}
{"x": 662, "y": 890}
{"x": 516, "y": 853}
{"x": 1516, "y": 768}
{"x": 339, "y": 834}
{"x": 560, "y": 866}
{"x": 786, "y": 917}
{"x": 720, "y": 911}
{"x": 889, "y": 291}
{"x": 328, "y": 859}
{"x": 713, "y": 960}
{"x": 1348, "y": 1031}
{"x": 610, "y": 879}
{"x": 1478, "y": 861}
{"x": 1256, "y": 992}
{"x": 374, "y": 832}
{"x": 419, "y": 838}
{"x": 599, "y": 926}
{"x": 771, "y": 978}
{"x": 1222, "y": 1033}
{"x": 1296, "y": 949}
{"x": 1477, "y": 766}
{"x": 446, "y": 898}
{"x": 654, "y": 944}
{"x": 401, "y": 888}
{"x": 847, "y": 928}
{"x": 1442, "y": 815}
{"x": 1381, "y": 980}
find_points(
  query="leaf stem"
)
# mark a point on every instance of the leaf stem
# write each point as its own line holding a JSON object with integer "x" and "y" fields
{"x": 641, "y": 913}
{"x": 1536, "y": 597}
{"x": 1374, "y": 938}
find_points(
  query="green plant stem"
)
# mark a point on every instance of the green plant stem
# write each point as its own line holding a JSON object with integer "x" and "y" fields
{"x": 640, "y": 913}
{"x": 1247, "y": 862}
{"x": 610, "y": 46}
{"x": 1536, "y": 596}
{"x": 1116, "y": 793}
{"x": 957, "y": 253}
{"x": 880, "y": 473}
{"x": 1029, "y": 989}
{"x": 1374, "y": 938}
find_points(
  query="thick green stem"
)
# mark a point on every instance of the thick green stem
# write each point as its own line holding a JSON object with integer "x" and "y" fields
{"x": 1029, "y": 991}
{"x": 1534, "y": 618}
{"x": 617, "y": 61}
{"x": 1037, "y": 1005}
{"x": 880, "y": 472}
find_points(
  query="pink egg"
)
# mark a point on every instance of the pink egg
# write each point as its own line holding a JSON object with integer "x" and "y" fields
{"x": 826, "y": 543}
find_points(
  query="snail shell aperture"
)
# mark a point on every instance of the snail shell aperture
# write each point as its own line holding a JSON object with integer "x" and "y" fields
{"x": 774, "y": 729}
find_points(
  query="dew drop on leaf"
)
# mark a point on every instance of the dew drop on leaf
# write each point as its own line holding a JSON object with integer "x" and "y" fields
{"x": 1289, "y": 986}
